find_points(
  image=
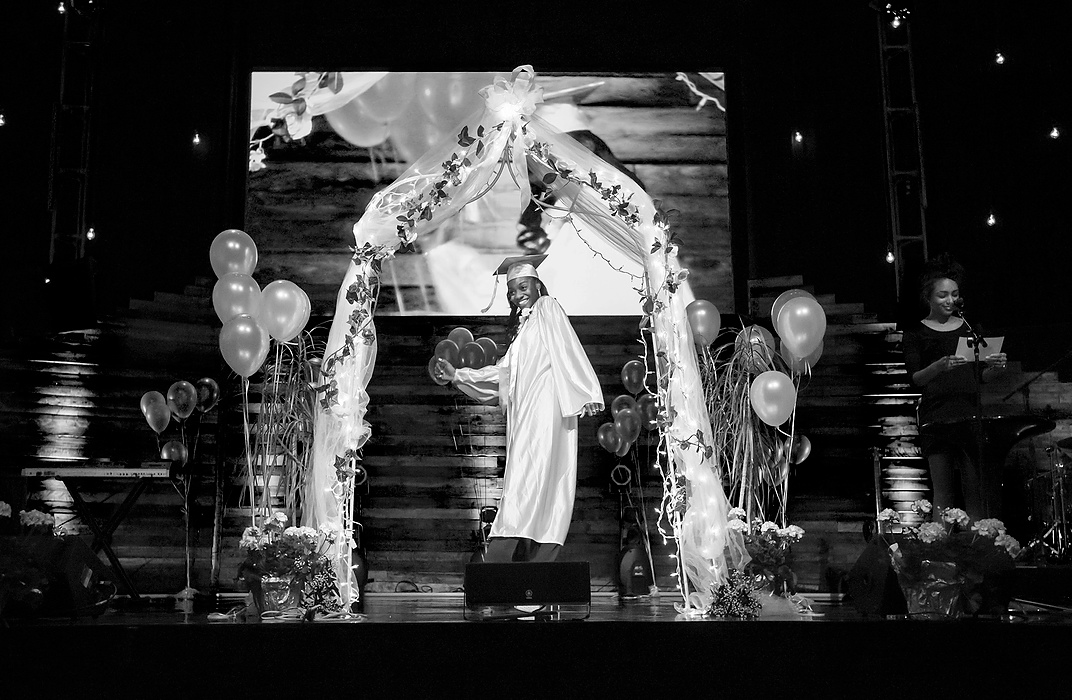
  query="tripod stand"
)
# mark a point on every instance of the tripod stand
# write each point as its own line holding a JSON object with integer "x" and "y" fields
{"x": 1053, "y": 543}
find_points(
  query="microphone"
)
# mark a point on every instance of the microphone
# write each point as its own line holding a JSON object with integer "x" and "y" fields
{"x": 958, "y": 307}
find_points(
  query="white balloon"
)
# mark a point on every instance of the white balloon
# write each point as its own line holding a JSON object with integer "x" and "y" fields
{"x": 234, "y": 294}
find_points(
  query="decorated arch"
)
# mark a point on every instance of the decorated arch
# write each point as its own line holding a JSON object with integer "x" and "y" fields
{"x": 502, "y": 147}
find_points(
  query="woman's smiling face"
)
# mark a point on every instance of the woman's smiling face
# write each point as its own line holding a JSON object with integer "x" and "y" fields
{"x": 943, "y": 299}
{"x": 523, "y": 292}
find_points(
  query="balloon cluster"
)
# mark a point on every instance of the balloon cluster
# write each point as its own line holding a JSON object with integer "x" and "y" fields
{"x": 630, "y": 415}
{"x": 790, "y": 451}
{"x": 251, "y": 316}
{"x": 413, "y": 110}
{"x": 182, "y": 399}
{"x": 461, "y": 349}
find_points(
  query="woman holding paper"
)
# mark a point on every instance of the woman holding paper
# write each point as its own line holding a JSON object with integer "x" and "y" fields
{"x": 949, "y": 384}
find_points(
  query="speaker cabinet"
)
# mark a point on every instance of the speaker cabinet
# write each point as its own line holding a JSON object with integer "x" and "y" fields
{"x": 872, "y": 583}
{"x": 528, "y": 583}
{"x": 65, "y": 571}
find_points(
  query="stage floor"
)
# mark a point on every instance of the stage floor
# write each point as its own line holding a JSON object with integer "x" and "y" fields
{"x": 418, "y": 645}
{"x": 427, "y": 608}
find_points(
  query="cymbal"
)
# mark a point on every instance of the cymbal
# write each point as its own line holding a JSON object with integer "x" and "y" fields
{"x": 1065, "y": 444}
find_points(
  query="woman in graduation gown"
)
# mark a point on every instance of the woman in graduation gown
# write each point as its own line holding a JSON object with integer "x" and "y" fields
{"x": 543, "y": 383}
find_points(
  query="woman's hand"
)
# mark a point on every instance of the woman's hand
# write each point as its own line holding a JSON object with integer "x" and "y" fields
{"x": 996, "y": 361}
{"x": 944, "y": 364}
{"x": 591, "y": 409}
{"x": 444, "y": 370}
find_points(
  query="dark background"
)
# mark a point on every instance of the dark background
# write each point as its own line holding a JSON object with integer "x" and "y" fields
{"x": 162, "y": 71}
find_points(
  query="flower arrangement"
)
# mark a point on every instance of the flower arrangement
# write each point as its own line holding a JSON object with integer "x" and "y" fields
{"x": 23, "y": 580}
{"x": 34, "y": 522}
{"x": 735, "y": 597}
{"x": 289, "y": 567}
{"x": 770, "y": 549}
{"x": 952, "y": 566}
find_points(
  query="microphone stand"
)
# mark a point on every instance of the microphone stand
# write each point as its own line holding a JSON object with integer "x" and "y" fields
{"x": 977, "y": 421}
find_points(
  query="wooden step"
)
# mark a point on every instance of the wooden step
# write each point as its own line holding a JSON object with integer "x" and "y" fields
{"x": 787, "y": 281}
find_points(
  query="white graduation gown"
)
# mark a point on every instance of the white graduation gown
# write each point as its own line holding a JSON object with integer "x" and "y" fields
{"x": 542, "y": 384}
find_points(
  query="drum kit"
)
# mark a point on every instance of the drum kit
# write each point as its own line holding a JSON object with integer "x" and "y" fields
{"x": 1052, "y": 498}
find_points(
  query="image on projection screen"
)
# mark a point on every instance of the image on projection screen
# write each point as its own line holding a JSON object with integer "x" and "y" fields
{"x": 323, "y": 143}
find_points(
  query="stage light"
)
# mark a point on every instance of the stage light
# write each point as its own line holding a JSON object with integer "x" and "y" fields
{"x": 3, "y": 121}
{"x": 999, "y": 58}
{"x": 47, "y": 280}
{"x": 1055, "y": 133}
{"x": 889, "y": 255}
{"x": 991, "y": 220}
{"x": 896, "y": 16}
{"x": 91, "y": 234}
{"x": 62, "y": 9}
{"x": 798, "y": 137}
{"x": 197, "y": 139}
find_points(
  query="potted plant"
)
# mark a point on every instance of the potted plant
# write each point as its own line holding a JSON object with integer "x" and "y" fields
{"x": 952, "y": 566}
{"x": 288, "y": 569}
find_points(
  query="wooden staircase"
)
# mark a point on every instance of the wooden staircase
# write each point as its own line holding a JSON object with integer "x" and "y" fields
{"x": 73, "y": 398}
{"x": 435, "y": 457}
{"x": 832, "y": 492}
{"x": 859, "y": 412}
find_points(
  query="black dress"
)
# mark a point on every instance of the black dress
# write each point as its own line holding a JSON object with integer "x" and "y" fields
{"x": 949, "y": 397}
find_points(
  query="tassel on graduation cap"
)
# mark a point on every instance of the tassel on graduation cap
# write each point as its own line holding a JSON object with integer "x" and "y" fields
{"x": 514, "y": 267}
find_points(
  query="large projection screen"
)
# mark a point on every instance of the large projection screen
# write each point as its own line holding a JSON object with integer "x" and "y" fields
{"x": 322, "y": 143}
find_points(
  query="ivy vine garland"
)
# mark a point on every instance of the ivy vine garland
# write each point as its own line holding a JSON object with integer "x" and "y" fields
{"x": 411, "y": 209}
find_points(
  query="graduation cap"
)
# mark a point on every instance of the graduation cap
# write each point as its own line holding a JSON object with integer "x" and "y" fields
{"x": 514, "y": 267}
{"x": 519, "y": 266}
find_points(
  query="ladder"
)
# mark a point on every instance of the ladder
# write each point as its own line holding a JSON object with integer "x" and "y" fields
{"x": 69, "y": 171}
{"x": 905, "y": 181}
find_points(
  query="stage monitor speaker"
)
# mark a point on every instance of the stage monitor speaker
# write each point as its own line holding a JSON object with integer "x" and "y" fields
{"x": 72, "y": 574}
{"x": 528, "y": 583}
{"x": 872, "y": 583}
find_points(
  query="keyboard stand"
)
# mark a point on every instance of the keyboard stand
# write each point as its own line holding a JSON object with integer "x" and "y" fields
{"x": 102, "y": 534}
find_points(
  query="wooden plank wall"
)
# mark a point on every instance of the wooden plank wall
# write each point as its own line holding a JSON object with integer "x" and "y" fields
{"x": 74, "y": 398}
{"x": 302, "y": 207}
{"x": 436, "y": 457}
{"x": 434, "y": 460}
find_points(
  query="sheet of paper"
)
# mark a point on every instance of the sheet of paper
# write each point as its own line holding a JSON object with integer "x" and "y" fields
{"x": 993, "y": 345}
